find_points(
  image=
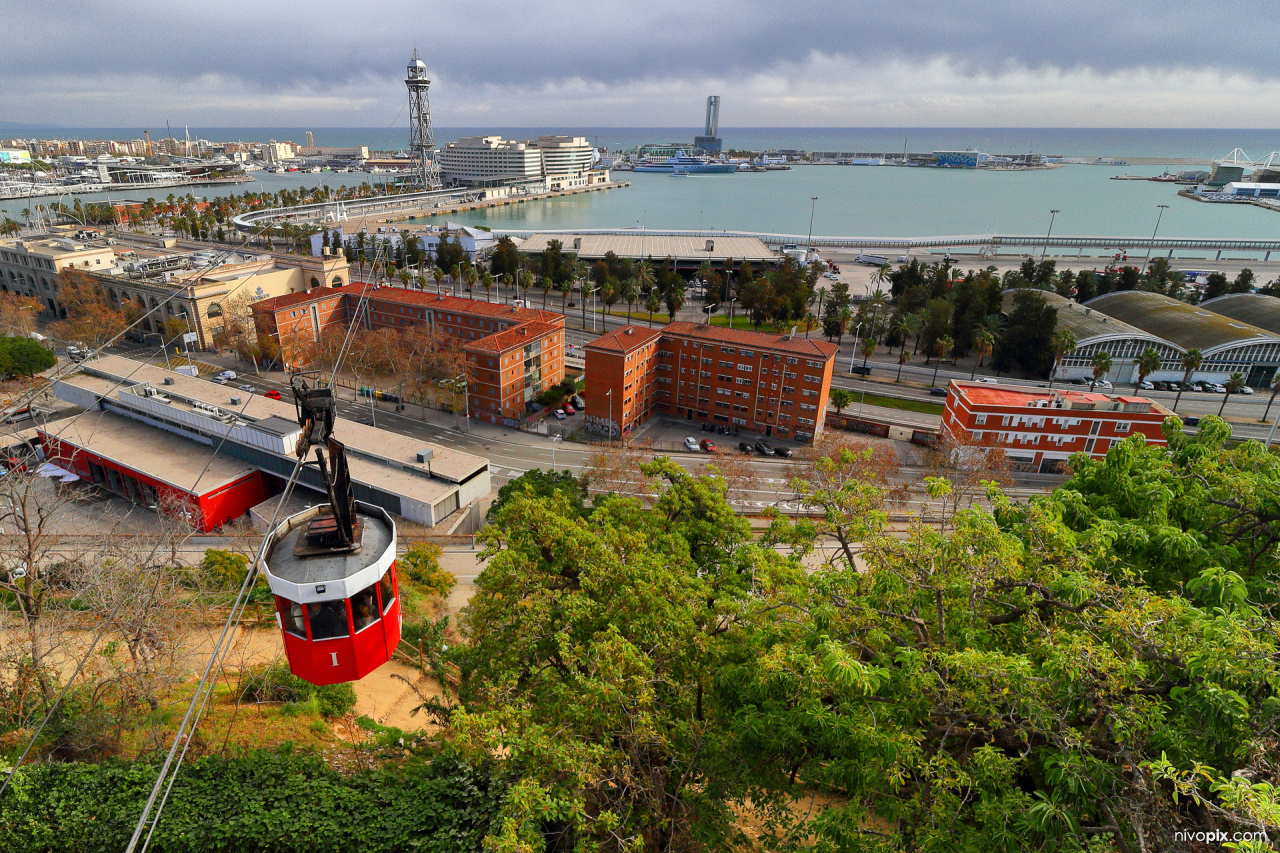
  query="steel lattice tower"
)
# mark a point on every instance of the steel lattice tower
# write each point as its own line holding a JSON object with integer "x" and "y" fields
{"x": 422, "y": 140}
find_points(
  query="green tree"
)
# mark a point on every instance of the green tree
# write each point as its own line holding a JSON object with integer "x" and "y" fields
{"x": 421, "y": 565}
{"x": 595, "y": 650}
{"x": 903, "y": 358}
{"x": 674, "y": 298}
{"x": 1244, "y": 281}
{"x": 1148, "y": 363}
{"x": 653, "y": 302}
{"x": 1275, "y": 389}
{"x": 1101, "y": 364}
{"x": 868, "y": 347}
{"x": 1190, "y": 361}
{"x": 1063, "y": 343}
{"x": 1215, "y": 285}
{"x": 983, "y": 343}
{"x": 24, "y": 356}
{"x": 1233, "y": 385}
{"x": 941, "y": 348}
{"x": 540, "y": 483}
{"x": 841, "y": 398}
{"x": 1005, "y": 654}
{"x": 1026, "y": 341}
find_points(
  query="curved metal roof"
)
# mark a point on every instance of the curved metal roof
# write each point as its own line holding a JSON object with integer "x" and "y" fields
{"x": 1087, "y": 324}
{"x": 1185, "y": 326}
{"x": 1255, "y": 308}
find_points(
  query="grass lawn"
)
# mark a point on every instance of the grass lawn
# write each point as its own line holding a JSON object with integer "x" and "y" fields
{"x": 660, "y": 318}
{"x": 924, "y": 407}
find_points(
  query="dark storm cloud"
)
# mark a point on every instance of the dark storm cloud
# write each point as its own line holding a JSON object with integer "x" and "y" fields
{"x": 515, "y": 62}
{"x": 320, "y": 44}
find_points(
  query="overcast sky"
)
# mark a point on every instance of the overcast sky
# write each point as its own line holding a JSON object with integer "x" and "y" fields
{"x": 983, "y": 63}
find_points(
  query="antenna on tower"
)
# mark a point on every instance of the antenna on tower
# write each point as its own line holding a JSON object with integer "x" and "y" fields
{"x": 422, "y": 141}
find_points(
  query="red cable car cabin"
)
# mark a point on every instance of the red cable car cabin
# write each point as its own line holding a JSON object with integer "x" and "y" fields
{"x": 339, "y": 611}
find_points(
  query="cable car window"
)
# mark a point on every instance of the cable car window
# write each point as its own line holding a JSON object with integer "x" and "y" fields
{"x": 328, "y": 619}
{"x": 388, "y": 591}
{"x": 292, "y": 617}
{"x": 364, "y": 608}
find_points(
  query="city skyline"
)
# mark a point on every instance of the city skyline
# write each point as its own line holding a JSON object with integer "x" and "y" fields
{"x": 824, "y": 64}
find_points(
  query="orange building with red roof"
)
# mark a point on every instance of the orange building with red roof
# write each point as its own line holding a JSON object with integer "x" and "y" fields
{"x": 516, "y": 353}
{"x": 777, "y": 385}
{"x": 1040, "y": 430}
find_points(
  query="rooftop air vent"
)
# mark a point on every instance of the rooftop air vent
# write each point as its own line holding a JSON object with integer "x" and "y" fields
{"x": 235, "y": 401}
{"x": 425, "y": 456}
{"x": 168, "y": 380}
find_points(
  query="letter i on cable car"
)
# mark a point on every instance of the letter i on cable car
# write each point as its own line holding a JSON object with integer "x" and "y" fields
{"x": 332, "y": 568}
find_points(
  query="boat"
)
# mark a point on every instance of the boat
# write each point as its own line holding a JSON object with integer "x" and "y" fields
{"x": 679, "y": 173}
{"x": 687, "y": 163}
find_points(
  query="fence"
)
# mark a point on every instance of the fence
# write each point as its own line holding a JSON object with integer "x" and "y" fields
{"x": 844, "y": 422}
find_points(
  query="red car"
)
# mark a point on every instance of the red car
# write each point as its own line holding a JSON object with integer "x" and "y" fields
{"x": 272, "y": 394}
{"x": 707, "y": 445}
{"x": 569, "y": 410}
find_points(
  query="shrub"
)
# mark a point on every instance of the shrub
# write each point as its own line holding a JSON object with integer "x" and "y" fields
{"x": 421, "y": 564}
{"x": 224, "y": 570}
{"x": 277, "y": 684}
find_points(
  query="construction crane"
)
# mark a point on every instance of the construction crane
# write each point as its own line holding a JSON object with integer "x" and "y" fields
{"x": 147, "y": 133}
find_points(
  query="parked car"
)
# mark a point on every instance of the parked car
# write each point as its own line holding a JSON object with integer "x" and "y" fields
{"x": 744, "y": 446}
{"x": 1246, "y": 390}
{"x": 938, "y": 391}
{"x": 859, "y": 370}
{"x": 764, "y": 448}
{"x": 1146, "y": 385}
{"x": 1160, "y": 386}
{"x": 784, "y": 452}
{"x": 559, "y": 413}
{"x": 1104, "y": 384}
{"x": 708, "y": 445}
{"x": 219, "y": 380}
{"x": 227, "y": 374}
{"x": 569, "y": 410}
{"x": 1217, "y": 388}
{"x": 273, "y": 394}
{"x": 1191, "y": 420}
{"x": 76, "y": 354}
{"x": 364, "y": 419}
{"x": 578, "y": 403}
{"x": 691, "y": 444}
{"x": 989, "y": 380}
{"x": 248, "y": 388}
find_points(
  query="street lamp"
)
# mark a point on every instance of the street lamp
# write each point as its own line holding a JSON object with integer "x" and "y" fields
{"x": 813, "y": 204}
{"x": 609, "y": 394}
{"x": 1163, "y": 208}
{"x": 554, "y": 440}
{"x": 1053, "y": 213}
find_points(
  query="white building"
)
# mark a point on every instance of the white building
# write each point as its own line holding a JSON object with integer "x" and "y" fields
{"x": 489, "y": 161}
{"x": 556, "y": 162}
{"x": 566, "y": 160}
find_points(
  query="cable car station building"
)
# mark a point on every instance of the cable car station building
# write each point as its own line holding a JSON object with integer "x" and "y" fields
{"x": 155, "y": 430}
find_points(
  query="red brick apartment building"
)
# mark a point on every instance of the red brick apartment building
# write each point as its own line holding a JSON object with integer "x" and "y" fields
{"x": 516, "y": 353}
{"x": 1039, "y": 430}
{"x": 773, "y": 384}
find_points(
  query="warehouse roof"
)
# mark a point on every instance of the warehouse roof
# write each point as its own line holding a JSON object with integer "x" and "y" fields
{"x": 1085, "y": 322}
{"x": 1255, "y": 308}
{"x": 1184, "y": 325}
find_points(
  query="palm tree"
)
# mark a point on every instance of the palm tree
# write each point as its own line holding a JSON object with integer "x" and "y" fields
{"x": 903, "y": 358}
{"x": 1233, "y": 386}
{"x": 915, "y": 325}
{"x": 487, "y": 280}
{"x": 547, "y": 285}
{"x": 983, "y": 343}
{"x": 630, "y": 293}
{"x": 880, "y": 276}
{"x": 1275, "y": 389}
{"x": 653, "y": 302}
{"x": 1062, "y": 342}
{"x": 941, "y": 348}
{"x": 645, "y": 277}
{"x": 1191, "y": 360}
{"x": 810, "y": 322}
{"x": 1101, "y": 364}
{"x": 868, "y": 349}
{"x": 565, "y": 287}
{"x": 1148, "y": 363}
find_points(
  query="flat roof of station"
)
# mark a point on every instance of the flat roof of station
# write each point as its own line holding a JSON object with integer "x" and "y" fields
{"x": 149, "y": 450}
{"x": 393, "y": 450}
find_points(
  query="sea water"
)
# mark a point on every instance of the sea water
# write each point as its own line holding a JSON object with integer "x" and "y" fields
{"x": 874, "y": 201}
